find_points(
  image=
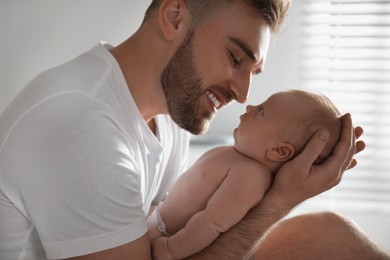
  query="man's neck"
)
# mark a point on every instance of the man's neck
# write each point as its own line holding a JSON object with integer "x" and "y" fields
{"x": 142, "y": 76}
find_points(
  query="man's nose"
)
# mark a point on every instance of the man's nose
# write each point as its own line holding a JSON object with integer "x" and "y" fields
{"x": 241, "y": 86}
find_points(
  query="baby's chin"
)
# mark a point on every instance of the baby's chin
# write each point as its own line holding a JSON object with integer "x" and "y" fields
{"x": 235, "y": 134}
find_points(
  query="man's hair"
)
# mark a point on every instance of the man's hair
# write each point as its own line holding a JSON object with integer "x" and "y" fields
{"x": 273, "y": 11}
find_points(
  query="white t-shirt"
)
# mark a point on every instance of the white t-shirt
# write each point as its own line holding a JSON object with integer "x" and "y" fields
{"x": 79, "y": 167}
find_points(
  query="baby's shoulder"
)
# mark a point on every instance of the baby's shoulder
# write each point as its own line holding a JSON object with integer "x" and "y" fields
{"x": 221, "y": 157}
{"x": 228, "y": 156}
{"x": 219, "y": 153}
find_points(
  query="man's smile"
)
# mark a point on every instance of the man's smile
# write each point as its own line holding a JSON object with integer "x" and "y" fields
{"x": 214, "y": 99}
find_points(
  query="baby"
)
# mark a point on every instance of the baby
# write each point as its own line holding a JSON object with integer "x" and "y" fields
{"x": 226, "y": 182}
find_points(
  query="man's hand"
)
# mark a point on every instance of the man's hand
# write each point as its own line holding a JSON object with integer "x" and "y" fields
{"x": 299, "y": 179}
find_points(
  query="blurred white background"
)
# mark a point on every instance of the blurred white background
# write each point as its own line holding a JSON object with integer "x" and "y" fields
{"x": 36, "y": 35}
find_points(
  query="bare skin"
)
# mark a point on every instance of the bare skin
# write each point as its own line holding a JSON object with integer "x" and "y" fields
{"x": 317, "y": 236}
{"x": 208, "y": 199}
{"x": 138, "y": 249}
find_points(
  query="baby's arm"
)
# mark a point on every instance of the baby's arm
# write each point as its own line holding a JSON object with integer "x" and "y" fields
{"x": 242, "y": 188}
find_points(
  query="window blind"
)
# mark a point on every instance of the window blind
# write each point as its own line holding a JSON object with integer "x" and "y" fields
{"x": 346, "y": 55}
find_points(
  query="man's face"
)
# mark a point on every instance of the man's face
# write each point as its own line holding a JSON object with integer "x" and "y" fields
{"x": 183, "y": 89}
{"x": 214, "y": 66}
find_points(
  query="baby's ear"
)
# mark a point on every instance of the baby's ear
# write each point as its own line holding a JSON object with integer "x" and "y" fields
{"x": 281, "y": 153}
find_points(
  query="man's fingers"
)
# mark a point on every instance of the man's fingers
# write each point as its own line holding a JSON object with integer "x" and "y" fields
{"x": 345, "y": 148}
{"x": 358, "y": 132}
{"x": 352, "y": 164}
{"x": 360, "y": 146}
{"x": 313, "y": 149}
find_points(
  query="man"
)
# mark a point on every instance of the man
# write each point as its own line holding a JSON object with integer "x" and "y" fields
{"x": 88, "y": 147}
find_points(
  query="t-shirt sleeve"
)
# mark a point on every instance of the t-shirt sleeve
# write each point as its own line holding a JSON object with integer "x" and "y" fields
{"x": 75, "y": 177}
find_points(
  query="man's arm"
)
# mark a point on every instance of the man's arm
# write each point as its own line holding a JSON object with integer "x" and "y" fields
{"x": 295, "y": 182}
{"x": 138, "y": 249}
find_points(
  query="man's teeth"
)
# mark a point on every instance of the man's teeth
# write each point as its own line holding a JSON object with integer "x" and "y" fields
{"x": 213, "y": 99}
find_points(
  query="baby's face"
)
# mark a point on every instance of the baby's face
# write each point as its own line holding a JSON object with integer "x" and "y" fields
{"x": 261, "y": 125}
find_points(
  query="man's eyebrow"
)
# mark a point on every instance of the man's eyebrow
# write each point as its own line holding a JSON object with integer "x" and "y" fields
{"x": 243, "y": 46}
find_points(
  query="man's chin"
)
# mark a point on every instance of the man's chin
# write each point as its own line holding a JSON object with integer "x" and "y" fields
{"x": 197, "y": 128}
{"x": 200, "y": 131}
{"x": 195, "y": 125}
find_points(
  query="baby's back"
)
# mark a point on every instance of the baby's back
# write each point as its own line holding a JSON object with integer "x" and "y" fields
{"x": 194, "y": 187}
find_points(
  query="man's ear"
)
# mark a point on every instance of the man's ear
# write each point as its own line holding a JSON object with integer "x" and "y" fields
{"x": 281, "y": 153}
{"x": 171, "y": 16}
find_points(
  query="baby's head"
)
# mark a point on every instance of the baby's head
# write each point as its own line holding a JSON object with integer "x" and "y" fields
{"x": 279, "y": 129}
{"x": 310, "y": 112}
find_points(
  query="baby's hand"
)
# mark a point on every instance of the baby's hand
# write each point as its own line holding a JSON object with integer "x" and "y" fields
{"x": 160, "y": 249}
{"x": 154, "y": 233}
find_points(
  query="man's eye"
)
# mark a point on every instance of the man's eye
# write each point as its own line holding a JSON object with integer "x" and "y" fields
{"x": 236, "y": 62}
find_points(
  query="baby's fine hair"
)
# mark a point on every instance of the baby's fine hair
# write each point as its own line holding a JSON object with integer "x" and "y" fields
{"x": 273, "y": 11}
{"x": 323, "y": 115}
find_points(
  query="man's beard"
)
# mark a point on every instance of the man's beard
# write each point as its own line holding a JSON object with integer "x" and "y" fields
{"x": 183, "y": 90}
